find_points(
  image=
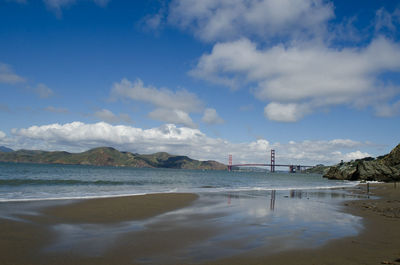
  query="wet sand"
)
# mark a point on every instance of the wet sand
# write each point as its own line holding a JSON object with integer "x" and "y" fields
{"x": 25, "y": 241}
{"x": 378, "y": 243}
{"x": 22, "y": 240}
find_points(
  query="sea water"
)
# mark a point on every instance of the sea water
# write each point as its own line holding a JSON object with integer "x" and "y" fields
{"x": 25, "y": 182}
{"x": 245, "y": 210}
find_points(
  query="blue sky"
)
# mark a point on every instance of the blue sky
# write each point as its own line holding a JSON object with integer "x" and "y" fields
{"x": 316, "y": 80}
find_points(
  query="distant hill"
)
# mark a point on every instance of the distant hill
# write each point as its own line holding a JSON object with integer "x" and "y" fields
{"x": 108, "y": 156}
{"x": 5, "y": 149}
{"x": 383, "y": 168}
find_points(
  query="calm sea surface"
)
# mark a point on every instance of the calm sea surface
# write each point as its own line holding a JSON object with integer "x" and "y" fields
{"x": 19, "y": 182}
{"x": 245, "y": 210}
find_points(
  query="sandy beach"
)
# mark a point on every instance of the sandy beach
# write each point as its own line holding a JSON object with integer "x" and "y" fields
{"x": 21, "y": 241}
{"x": 29, "y": 238}
{"x": 378, "y": 243}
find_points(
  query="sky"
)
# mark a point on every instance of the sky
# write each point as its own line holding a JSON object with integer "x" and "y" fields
{"x": 316, "y": 80}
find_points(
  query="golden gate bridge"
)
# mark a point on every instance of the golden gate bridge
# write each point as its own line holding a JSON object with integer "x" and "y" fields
{"x": 292, "y": 168}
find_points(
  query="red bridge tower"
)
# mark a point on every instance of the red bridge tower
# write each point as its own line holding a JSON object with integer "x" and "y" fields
{"x": 230, "y": 163}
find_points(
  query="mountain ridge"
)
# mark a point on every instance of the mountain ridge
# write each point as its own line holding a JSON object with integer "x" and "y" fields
{"x": 109, "y": 156}
{"x": 5, "y": 149}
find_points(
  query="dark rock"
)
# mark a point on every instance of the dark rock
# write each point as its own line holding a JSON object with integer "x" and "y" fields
{"x": 386, "y": 168}
{"x": 393, "y": 158}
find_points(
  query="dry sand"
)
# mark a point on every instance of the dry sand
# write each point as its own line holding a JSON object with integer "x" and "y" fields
{"x": 22, "y": 242}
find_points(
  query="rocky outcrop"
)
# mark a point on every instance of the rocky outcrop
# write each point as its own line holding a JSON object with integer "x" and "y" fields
{"x": 318, "y": 169}
{"x": 393, "y": 158}
{"x": 385, "y": 168}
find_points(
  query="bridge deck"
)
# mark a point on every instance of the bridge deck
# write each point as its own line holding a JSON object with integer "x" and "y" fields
{"x": 265, "y": 165}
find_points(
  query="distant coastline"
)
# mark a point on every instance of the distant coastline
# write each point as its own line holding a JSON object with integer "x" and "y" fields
{"x": 108, "y": 156}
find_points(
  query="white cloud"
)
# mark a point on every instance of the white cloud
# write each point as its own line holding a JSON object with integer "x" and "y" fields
{"x": 108, "y": 116}
{"x": 43, "y": 91}
{"x": 171, "y": 107}
{"x": 8, "y": 76}
{"x": 212, "y": 20}
{"x": 308, "y": 75}
{"x": 2, "y": 135}
{"x": 172, "y": 116}
{"x": 355, "y": 155}
{"x": 161, "y": 98}
{"x": 78, "y": 136}
{"x": 289, "y": 112}
{"x": 211, "y": 117}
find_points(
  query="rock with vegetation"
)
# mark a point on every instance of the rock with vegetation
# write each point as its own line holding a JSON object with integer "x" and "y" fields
{"x": 384, "y": 168}
{"x": 107, "y": 156}
{"x": 318, "y": 169}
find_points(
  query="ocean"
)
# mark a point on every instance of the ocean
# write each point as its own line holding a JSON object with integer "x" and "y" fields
{"x": 236, "y": 212}
{"x": 28, "y": 182}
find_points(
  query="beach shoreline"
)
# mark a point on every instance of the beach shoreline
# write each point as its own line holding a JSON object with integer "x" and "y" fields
{"x": 377, "y": 243}
{"x": 22, "y": 242}
{"x": 24, "y": 235}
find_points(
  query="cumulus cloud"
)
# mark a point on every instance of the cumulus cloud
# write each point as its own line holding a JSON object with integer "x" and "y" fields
{"x": 305, "y": 71}
{"x": 356, "y": 155}
{"x": 289, "y": 112}
{"x": 78, "y": 136}
{"x": 299, "y": 79}
{"x": 172, "y": 116}
{"x": 8, "y": 76}
{"x": 162, "y": 98}
{"x": 211, "y": 20}
{"x": 2, "y": 135}
{"x": 108, "y": 116}
{"x": 171, "y": 107}
{"x": 211, "y": 116}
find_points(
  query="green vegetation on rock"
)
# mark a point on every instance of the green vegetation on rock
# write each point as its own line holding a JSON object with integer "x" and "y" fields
{"x": 318, "y": 169}
{"x": 384, "y": 168}
{"x": 108, "y": 156}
